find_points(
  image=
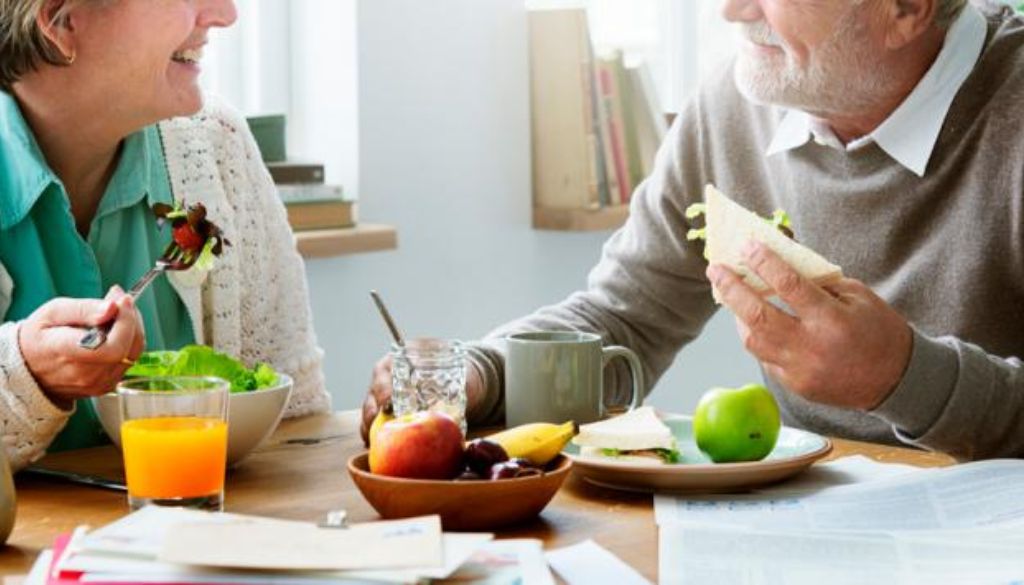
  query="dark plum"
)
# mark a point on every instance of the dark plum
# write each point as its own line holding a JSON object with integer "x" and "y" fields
{"x": 482, "y": 454}
{"x": 511, "y": 469}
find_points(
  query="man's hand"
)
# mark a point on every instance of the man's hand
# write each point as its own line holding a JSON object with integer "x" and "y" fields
{"x": 380, "y": 392}
{"x": 49, "y": 345}
{"x": 843, "y": 346}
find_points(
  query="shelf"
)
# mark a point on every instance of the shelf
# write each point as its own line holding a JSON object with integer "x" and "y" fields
{"x": 341, "y": 242}
{"x": 580, "y": 220}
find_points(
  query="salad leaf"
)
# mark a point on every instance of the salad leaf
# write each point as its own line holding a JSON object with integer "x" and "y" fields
{"x": 202, "y": 360}
{"x": 666, "y": 455}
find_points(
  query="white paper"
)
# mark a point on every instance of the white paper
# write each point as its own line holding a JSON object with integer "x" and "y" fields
{"x": 506, "y": 562}
{"x": 724, "y": 554}
{"x": 253, "y": 543}
{"x": 587, "y": 562}
{"x": 855, "y": 469}
{"x": 106, "y": 567}
{"x": 962, "y": 524}
{"x": 142, "y": 533}
{"x": 37, "y": 575}
{"x": 963, "y": 496}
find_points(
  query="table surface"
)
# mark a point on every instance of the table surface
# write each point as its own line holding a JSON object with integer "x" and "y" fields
{"x": 300, "y": 474}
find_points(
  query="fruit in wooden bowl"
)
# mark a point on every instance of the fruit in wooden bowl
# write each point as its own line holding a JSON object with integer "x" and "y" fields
{"x": 462, "y": 505}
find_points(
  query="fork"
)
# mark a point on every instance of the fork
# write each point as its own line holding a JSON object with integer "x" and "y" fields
{"x": 173, "y": 258}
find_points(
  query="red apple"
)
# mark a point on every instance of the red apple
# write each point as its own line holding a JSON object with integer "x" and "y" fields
{"x": 422, "y": 445}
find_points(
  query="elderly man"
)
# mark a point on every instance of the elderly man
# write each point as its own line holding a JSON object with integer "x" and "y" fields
{"x": 891, "y": 132}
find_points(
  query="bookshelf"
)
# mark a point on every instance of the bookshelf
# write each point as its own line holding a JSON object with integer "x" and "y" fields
{"x": 360, "y": 239}
{"x": 580, "y": 220}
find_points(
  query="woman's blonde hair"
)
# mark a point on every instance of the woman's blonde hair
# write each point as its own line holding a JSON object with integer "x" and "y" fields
{"x": 23, "y": 47}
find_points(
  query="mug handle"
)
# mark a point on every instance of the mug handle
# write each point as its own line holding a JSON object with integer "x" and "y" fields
{"x": 636, "y": 371}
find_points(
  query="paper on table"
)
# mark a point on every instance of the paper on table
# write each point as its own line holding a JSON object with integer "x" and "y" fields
{"x": 107, "y": 567}
{"x": 506, "y": 562}
{"x": 253, "y": 543}
{"x": 37, "y": 575}
{"x": 588, "y": 562}
{"x": 854, "y": 469}
{"x": 127, "y": 550}
{"x": 723, "y": 554}
{"x": 963, "y": 496}
{"x": 142, "y": 533}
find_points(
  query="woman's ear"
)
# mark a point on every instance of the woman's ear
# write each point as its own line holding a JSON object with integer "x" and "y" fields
{"x": 55, "y": 24}
{"x": 908, "y": 20}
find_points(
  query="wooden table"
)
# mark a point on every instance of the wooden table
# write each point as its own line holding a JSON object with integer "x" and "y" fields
{"x": 300, "y": 474}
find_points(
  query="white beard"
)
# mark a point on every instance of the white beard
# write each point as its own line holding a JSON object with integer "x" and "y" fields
{"x": 842, "y": 75}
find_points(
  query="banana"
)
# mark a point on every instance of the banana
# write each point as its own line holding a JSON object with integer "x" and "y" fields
{"x": 384, "y": 414}
{"x": 538, "y": 443}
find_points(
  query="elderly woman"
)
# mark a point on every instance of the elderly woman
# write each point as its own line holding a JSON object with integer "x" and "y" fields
{"x": 101, "y": 117}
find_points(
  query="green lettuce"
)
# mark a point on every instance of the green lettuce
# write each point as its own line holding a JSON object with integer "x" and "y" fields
{"x": 202, "y": 360}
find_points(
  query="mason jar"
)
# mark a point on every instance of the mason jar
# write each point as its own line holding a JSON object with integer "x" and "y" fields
{"x": 429, "y": 374}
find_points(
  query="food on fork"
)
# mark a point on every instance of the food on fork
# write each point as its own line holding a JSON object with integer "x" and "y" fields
{"x": 637, "y": 436}
{"x": 729, "y": 226}
{"x": 198, "y": 239}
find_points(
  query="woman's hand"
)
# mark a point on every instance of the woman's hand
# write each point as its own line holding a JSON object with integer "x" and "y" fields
{"x": 49, "y": 345}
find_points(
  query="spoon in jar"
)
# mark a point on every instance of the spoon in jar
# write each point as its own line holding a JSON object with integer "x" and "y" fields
{"x": 395, "y": 334}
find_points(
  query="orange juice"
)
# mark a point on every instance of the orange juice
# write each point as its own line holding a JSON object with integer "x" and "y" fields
{"x": 174, "y": 457}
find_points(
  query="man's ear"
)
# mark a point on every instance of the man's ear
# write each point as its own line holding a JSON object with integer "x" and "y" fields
{"x": 55, "y": 24}
{"x": 908, "y": 20}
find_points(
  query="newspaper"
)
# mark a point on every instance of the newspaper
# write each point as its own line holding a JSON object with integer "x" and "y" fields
{"x": 962, "y": 524}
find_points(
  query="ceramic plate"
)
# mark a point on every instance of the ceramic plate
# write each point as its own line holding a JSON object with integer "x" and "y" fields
{"x": 794, "y": 452}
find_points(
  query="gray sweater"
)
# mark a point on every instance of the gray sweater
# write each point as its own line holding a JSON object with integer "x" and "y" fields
{"x": 946, "y": 250}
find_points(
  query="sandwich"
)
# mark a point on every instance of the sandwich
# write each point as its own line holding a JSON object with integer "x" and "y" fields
{"x": 637, "y": 436}
{"x": 728, "y": 226}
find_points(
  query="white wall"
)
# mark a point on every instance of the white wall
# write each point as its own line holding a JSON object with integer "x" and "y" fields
{"x": 443, "y": 149}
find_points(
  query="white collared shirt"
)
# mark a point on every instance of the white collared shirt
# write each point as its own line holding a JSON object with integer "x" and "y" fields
{"x": 909, "y": 134}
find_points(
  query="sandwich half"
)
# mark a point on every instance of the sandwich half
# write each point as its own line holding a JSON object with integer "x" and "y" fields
{"x": 729, "y": 226}
{"x": 637, "y": 436}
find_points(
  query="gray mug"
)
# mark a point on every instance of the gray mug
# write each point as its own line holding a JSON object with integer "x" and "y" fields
{"x": 556, "y": 376}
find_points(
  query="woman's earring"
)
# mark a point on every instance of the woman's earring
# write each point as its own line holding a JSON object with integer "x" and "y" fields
{"x": 71, "y": 58}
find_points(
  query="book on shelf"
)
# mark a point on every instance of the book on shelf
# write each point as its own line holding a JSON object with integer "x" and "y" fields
{"x": 296, "y": 172}
{"x": 310, "y": 192}
{"x": 565, "y": 145}
{"x": 320, "y": 215}
{"x": 651, "y": 125}
{"x": 597, "y": 122}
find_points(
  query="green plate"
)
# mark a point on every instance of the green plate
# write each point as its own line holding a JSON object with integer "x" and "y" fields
{"x": 794, "y": 452}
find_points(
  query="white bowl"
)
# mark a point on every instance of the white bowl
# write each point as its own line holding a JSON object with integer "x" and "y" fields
{"x": 252, "y": 417}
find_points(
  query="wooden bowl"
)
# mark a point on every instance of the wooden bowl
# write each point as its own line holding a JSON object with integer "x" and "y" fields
{"x": 462, "y": 505}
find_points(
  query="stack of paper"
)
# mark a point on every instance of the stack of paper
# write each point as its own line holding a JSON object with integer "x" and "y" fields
{"x": 169, "y": 545}
{"x": 963, "y": 524}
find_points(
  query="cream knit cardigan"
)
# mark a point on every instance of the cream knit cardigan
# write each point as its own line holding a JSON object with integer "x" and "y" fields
{"x": 253, "y": 304}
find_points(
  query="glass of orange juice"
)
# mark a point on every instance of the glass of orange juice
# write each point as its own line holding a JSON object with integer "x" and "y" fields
{"x": 174, "y": 436}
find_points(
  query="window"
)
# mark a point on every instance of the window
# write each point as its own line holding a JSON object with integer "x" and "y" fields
{"x": 681, "y": 40}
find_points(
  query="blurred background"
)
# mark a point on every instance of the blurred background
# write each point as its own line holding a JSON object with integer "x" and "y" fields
{"x": 421, "y": 112}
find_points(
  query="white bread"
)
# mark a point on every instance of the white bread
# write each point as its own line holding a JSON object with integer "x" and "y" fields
{"x": 636, "y": 430}
{"x": 729, "y": 226}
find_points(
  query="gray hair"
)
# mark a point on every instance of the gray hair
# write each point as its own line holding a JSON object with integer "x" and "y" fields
{"x": 946, "y": 12}
{"x": 23, "y": 46}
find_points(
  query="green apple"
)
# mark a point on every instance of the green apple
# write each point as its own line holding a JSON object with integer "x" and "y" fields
{"x": 736, "y": 424}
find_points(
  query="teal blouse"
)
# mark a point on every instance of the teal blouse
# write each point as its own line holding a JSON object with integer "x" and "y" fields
{"x": 46, "y": 257}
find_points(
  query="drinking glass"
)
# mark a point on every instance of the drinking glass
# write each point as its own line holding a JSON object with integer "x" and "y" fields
{"x": 429, "y": 374}
{"x": 174, "y": 436}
